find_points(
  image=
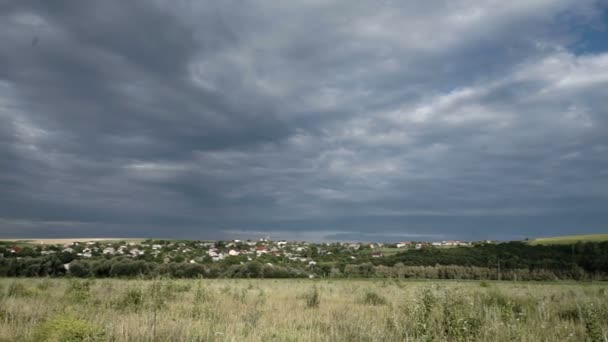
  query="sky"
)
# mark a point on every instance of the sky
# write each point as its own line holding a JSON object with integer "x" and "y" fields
{"x": 304, "y": 120}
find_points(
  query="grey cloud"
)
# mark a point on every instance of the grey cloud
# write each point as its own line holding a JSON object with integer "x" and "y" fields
{"x": 318, "y": 119}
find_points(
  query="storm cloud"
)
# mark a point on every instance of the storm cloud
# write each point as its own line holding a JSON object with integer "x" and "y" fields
{"x": 317, "y": 120}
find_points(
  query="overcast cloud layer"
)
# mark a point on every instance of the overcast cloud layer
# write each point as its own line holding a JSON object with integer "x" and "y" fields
{"x": 317, "y": 120}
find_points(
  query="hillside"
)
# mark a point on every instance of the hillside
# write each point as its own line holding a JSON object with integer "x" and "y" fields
{"x": 566, "y": 240}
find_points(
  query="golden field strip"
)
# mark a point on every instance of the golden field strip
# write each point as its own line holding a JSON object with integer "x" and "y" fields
{"x": 64, "y": 241}
{"x": 300, "y": 310}
{"x": 567, "y": 240}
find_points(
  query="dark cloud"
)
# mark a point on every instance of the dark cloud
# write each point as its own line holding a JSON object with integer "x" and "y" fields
{"x": 315, "y": 120}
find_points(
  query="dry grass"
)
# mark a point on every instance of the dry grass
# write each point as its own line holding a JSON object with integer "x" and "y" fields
{"x": 280, "y": 310}
{"x": 69, "y": 240}
{"x": 568, "y": 240}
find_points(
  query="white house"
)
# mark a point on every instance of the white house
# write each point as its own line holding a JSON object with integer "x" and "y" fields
{"x": 137, "y": 252}
{"x": 108, "y": 250}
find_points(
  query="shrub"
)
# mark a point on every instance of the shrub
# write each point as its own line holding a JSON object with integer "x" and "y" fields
{"x": 158, "y": 293}
{"x": 422, "y": 319}
{"x": 252, "y": 316}
{"x": 240, "y": 296}
{"x": 510, "y": 308}
{"x": 18, "y": 290}
{"x": 176, "y": 287}
{"x": 312, "y": 298}
{"x": 132, "y": 299}
{"x": 200, "y": 294}
{"x": 78, "y": 291}
{"x": 571, "y": 313}
{"x": 44, "y": 285}
{"x": 459, "y": 320}
{"x": 80, "y": 269}
{"x": 593, "y": 324}
{"x": 428, "y": 301}
{"x": 484, "y": 283}
{"x": 370, "y": 297}
{"x": 261, "y": 297}
{"x": 67, "y": 328}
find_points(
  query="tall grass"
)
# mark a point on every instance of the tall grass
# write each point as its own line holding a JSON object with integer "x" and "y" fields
{"x": 300, "y": 310}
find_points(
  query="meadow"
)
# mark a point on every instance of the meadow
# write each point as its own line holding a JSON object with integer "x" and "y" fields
{"x": 38, "y": 309}
{"x": 569, "y": 240}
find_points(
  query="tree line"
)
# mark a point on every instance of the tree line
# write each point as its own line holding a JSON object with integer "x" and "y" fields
{"x": 506, "y": 261}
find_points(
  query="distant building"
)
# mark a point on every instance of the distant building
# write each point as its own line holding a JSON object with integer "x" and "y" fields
{"x": 377, "y": 255}
{"x": 108, "y": 250}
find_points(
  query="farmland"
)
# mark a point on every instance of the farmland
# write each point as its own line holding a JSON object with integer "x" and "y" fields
{"x": 37, "y": 309}
{"x": 572, "y": 239}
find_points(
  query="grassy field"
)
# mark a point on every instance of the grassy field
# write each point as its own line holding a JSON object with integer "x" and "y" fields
{"x": 565, "y": 240}
{"x": 43, "y": 241}
{"x": 300, "y": 310}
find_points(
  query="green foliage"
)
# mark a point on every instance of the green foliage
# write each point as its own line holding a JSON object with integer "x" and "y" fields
{"x": 16, "y": 289}
{"x": 175, "y": 287}
{"x": 460, "y": 322}
{"x": 509, "y": 308}
{"x": 312, "y": 298}
{"x": 261, "y": 297}
{"x": 131, "y": 299}
{"x": 593, "y": 324}
{"x": 428, "y": 301}
{"x": 78, "y": 291}
{"x": 570, "y": 313}
{"x": 370, "y": 297}
{"x": 423, "y": 311}
{"x": 80, "y": 269}
{"x": 44, "y": 285}
{"x": 252, "y": 316}
{"x": 240, "y": 295}
{"x": 68, "y": 328}
{"x": 201, "y": 294}
{"x": 518, "y": 261}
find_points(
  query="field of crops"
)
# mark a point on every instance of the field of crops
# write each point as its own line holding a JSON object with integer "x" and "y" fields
{"x": 567, "y": 240}
{"x": 300, "y": 310}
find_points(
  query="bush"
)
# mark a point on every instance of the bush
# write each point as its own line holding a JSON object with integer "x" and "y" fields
{"x": 372, "y": 298}
{"x": 80, "y": 269}
{"x": 175, "y": 287}
{"x": 593, "y": 324}
{"x": 459, "y": 320}
{"x": 67, "y": 328}
{"x": 200, "y": 294}
{"x": 132, "y": 299}
{"x": 78, "y": 291}
{"x": 510, "y": 308}
{"x": 44, "y": 285}
{"x": 18, "y": 290}
{"x": 571, "y": 313}
{"x": 312, "y": 298}
{"x": 423, "y": 320}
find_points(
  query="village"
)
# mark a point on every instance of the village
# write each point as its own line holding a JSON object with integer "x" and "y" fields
{"x": 166, "y": 251}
